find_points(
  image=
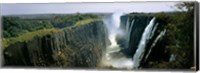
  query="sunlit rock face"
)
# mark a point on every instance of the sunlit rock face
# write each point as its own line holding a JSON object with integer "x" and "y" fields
{"x": 78, "y": 47}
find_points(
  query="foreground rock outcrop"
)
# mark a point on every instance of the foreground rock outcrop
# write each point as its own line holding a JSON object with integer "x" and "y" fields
{"x": 80, "y": 46}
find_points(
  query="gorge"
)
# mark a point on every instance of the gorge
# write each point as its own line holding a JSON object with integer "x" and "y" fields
{"x": 116, "y": 41}
{"x": 117, "y": 52}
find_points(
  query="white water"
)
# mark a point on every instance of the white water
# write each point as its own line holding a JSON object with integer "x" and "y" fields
{"x": 172, "y": 57}
{"x": 154, "y": 29}
{"x": 159, "y": 37}
{"x": 127, "y": 25}
{"x": 142, "y": 45}
{"x": 128, "y": 31}
{"x": 114, "y": 30}
{"x": 113, "y": 57}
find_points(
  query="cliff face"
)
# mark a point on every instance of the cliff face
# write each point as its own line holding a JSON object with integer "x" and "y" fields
{"x": 139, "y": 24}
{"x": 80, "y": 46}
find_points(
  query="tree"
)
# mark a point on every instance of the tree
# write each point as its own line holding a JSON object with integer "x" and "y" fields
{"x": 182, "y": 26}
{"x": 180, "y": 37}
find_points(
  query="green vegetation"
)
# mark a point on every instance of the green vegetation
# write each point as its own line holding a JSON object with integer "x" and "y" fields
{"x": 15, "y": 26}
{"x": 87, "y": 21}
{"x": 69, "y": 20}
{"x": 179, "y": 38}
{"x": 82, "y": 22}
{"x": 19, "y": 29}
{"x": 28, "y": 36}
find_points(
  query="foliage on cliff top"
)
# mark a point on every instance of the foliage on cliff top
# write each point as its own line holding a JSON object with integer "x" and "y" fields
{"x": 28, "y": 36}
{"x": 73, "y": 18}
{"x": 83, "y": 22}
{"x": 16, "y": 25}
{"x": 180, "y": 38}
{"x": 20, "y": 29}
{"x": 87, "y": 21}
{"x": 60, "y": 21}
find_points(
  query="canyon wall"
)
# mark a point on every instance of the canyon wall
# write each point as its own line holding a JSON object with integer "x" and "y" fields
{"x": 79, "y": 46}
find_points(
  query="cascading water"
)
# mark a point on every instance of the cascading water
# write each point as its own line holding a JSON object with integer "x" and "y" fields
{"x": 142, "y": 45}
{"x": 113, "y": 24}
{"x": 113, "y": 56}
{"x": 155, "y": 41}
{"x": 128, "y": 31}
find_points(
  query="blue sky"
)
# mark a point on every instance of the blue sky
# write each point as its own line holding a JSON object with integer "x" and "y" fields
{"x": 42, "y": 8}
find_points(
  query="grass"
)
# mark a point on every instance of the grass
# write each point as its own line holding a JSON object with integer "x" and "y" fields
{"x": 83, "y": 22}
{"x": 86, "y": 21}
{"x": 28, "y": 36}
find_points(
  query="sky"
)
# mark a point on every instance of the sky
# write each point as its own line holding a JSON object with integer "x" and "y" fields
{"x": 43, "y": 8}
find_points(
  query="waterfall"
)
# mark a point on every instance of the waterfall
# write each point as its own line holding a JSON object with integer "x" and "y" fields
{"x": 155, "y": 41}
{"x": 172, "y": 57}
{"x": 153, "y": 30}
{"x": 137, "y": 57}
{"x": 113, "y": 56}
{"x": 128, "y": 31}
{"x": 114, "y": 29}
{"x": 127, "y": 25}
{"x": 132, "y": 23}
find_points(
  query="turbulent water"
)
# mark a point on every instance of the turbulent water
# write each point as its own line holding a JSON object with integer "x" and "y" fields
{"x": 113, "y": 56}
